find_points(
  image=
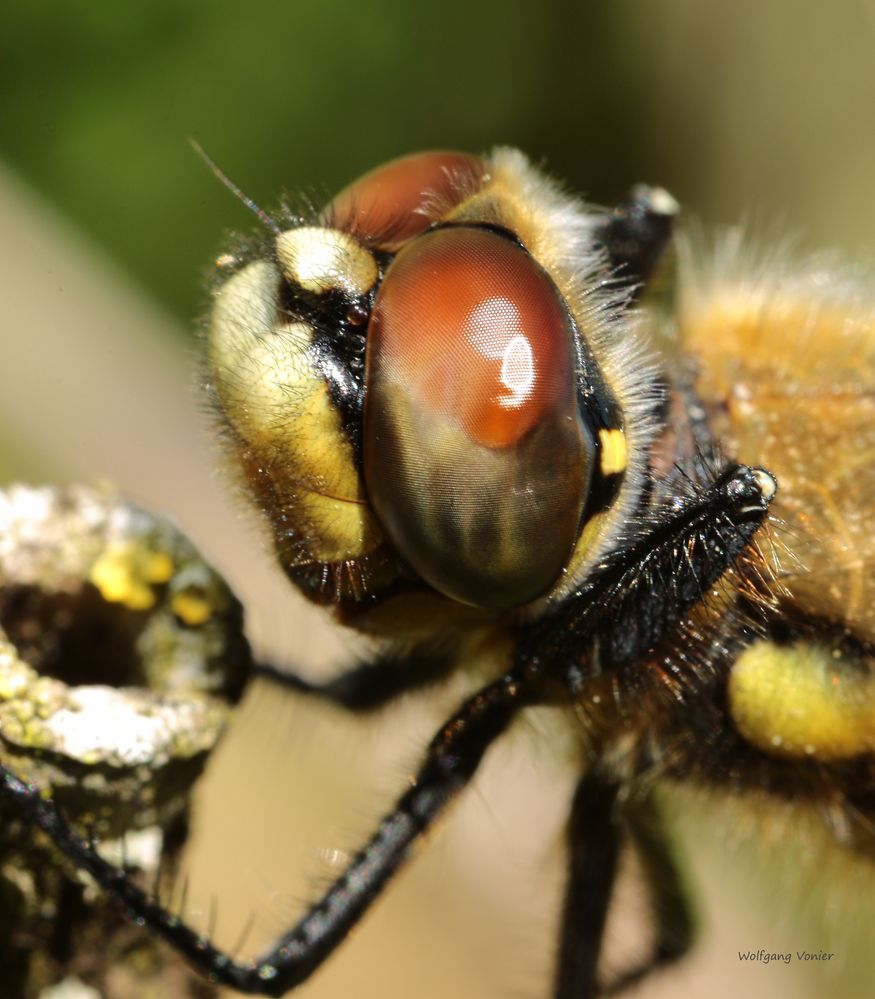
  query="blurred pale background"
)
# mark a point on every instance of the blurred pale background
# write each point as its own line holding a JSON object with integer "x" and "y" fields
{"x": 744, "y": 111}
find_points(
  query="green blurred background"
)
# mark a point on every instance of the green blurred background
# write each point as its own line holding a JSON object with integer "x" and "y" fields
{"x": 733, "y": 106}
{"x": 753, "y": 111}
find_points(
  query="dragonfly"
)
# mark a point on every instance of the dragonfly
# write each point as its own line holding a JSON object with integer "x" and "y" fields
{"x": 480, "y": 429}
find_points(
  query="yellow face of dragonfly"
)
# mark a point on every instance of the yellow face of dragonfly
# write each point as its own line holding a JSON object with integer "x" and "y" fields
{"x": 426, "y": 393}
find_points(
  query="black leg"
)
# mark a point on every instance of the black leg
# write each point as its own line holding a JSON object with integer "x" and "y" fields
{"x": 372, "y": 685}
{"x": 451, "y": 760}
{"x": 672, "y": 918}
{"x": 638, "y": 594}
{"x": 594, "y": 847}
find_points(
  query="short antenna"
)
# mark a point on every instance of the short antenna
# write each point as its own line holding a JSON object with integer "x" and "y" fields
{"x": 260, "y": 213}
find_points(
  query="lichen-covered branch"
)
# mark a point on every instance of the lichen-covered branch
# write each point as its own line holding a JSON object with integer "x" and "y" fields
{"x": 121, "y": 654}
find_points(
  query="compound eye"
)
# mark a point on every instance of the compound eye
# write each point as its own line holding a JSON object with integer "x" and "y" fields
{"x": 400, "y": 199}
{"x": 477, "y": 458}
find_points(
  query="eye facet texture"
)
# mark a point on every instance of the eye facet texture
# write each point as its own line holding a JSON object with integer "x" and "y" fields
{"x": 477, "y": 460}
{"x": 399, "y": 200}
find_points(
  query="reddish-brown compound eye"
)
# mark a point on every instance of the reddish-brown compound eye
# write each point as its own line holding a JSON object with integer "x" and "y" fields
{"x": 389, "y": 205}
{"x": 477, "y": 458}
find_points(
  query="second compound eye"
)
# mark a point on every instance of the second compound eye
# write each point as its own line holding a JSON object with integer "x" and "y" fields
{"x": 398, "y": 200}
{"x": 477, "y": 459}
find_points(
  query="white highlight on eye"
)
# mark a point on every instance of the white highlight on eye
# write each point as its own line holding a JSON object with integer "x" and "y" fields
{"x": 517, "y": 370}
{"x": 495, "y": 328}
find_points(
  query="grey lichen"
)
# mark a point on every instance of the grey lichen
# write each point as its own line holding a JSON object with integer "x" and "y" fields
{"x": 121, "y": 656}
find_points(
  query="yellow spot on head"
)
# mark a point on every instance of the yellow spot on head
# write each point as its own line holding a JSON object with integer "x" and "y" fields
{"x": 614, "y": 453}
{"x": 321, "y": 260}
